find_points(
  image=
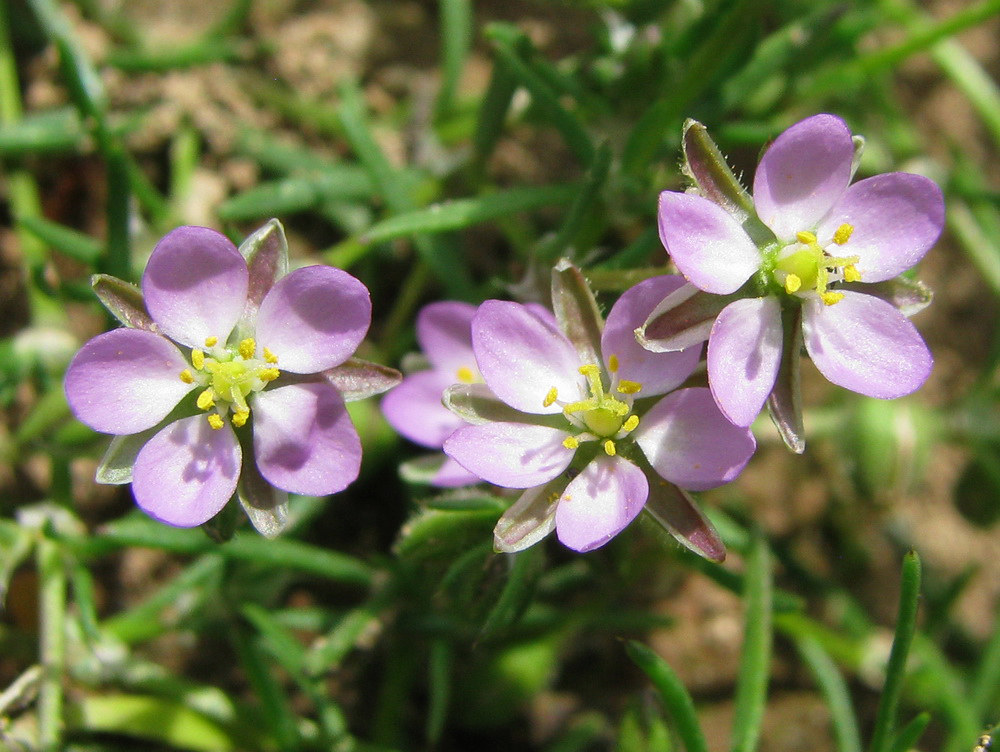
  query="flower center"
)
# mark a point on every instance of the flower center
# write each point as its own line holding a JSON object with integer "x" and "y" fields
{"x": 602, "y": 415}
{"x": 229, "y": 376}
{"x": 807, "y": 266}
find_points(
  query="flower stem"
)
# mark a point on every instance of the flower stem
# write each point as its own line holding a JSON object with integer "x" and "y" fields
{"x": 52, "y": 618}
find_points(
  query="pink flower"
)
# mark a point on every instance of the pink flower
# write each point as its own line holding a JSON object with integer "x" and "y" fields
{"x": 578, "y": 418}
{"x": 226, "y": 380}
{"x": 810, "y": 255}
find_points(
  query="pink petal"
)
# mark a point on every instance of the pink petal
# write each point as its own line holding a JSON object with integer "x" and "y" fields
{"x": 744, "y": 352}
{"x": 195, "y": 285}
{"x": 453, "y": 475}
{"x": 709, "y": 247}
{"x": 803, "y": 174}
{"x": 522, "y": 358}
{"x": 314, "y": 318}
{"x": 125, "y": 381}
{"x": 185, "y": 474}
{"x": 444, "y": 331}
{"x": 414, "y": 409}
{"x": 864, "y": 344}
{"x": 690, "y": 443}
{"x": 513, "y": 455}
{"x": 600, "y": 502}
{"x": 658, "y": 372}
{"x": 896, "y": 217}
{"x": 304, "y": 440}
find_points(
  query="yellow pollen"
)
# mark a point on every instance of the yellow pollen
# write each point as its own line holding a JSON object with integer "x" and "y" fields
{"x": 805, "y": 237}
{"x": 609, "y": 448}
{"x": 550, "y": 397}
{"x": 206, "y": 400}
{"x": 247, "y": 348}
{"x": 792, "y": 283}
{"x": 465, "y": 375}
{"x": 240, "y": 418}
{"x": 590, "y": 370}
{"x": 851, "y": 273}
{"x": 631, "y": 423}
{"x": 570, "y": 442}
{"x": 211, "y": 341}
{"x": 215, "y": 421}
{"x": 198, "y": 359}
{"x": 613, "y": 364}
{"x": 269, "y": 374}
{"x": 829, "y": 298}
{"x": 186, "y": 376}
{"x": 270, "y": 357}
{"x": 553, "y": 497}
{"x": 629, "y": 387}
{"x": 843, "y": 234}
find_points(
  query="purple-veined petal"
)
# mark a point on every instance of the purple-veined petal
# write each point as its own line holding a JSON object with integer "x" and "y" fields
{"x": 304, "y": 440}
{"x": 195, "y": 285}
{"x": 521, "y": 358}
{"x": 689, "y": 442}
{"x": 314, "y": 318}
{"x": 600, "y": 502}
{"x": 803, "y": 174}
{"x": 864, "y": 344}
{"x": 657, "y": 372}
{"x": 414, "y": 409}
{"x": 896, "y": 218}
{"x": 125, "y": 381}
{"x": 707, "y": 244}
{"x": 185, "y": 474}
{"x": 744, "y": 352}
{"x": 513, "y": 455}
{"x": 444, "y": 331}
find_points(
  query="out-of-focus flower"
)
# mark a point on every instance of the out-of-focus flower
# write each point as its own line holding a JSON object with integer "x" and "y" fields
{"x": 575, "y": 414}
{"x": 800, "y": 262}
{"x": 230, "y": 377}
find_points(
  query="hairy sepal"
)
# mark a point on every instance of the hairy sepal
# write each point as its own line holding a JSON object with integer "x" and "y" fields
{"x": 266, "y": 254}
{"x": 576, "y": 311}
{"x": 530, "y": 518}
{"x": 476, "y": 404}
{"x": 123, "y": 300}
{"x": 784, "y": 404}
{"x": 265, "y": 506}
{"x": 910, "y": 296}
{"x": 706, "y": 167}
{"x": 678, "y": 513}
{"x": 358, "y": 379}
{"x": 683, "y": 319}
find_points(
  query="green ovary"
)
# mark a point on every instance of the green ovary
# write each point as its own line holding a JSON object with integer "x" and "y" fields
{"x": 602, "y": 421}
{"x": 233, "y": 381}
{"x": 804, "y": 264}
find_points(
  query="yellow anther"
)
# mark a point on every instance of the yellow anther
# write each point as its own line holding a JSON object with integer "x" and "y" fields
{"x": 550, "y": 397}
{"x": 247, "y": 348}
{"x": 613, "y": 364}
{"x": 269, "y": 374}
{"x": 215, "y": 421}
{"x": 576, "y": 407}
{"x": 629, "y": 387}
{"x": 793, "y": 283}
{"x": 553, "y": 498}
{"x": 805, "y": 237}
{"x": 186, "y": 376}
{"x": 843, "y": 234}
{"x": 211, "y": 341}
{"x": 270, "y": 357}
{"x": 631, "y": 423}
{"x": 198, "y": 359}
{"x": 206, "y": 400}
{"x": 570, "y": 442}
{"x": 240, "y": 418}
{"x": 609, "y": 448}
{"x": 466, "y": 376}
{"x": 851, "y": 273}
{"x": 829, "y": 298}
{"x": 590, "y": 370}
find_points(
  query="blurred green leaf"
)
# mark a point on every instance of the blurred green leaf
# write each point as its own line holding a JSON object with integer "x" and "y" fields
{"x": 673, "y": 694}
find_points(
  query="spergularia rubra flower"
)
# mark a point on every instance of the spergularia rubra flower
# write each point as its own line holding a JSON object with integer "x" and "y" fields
{"x": 586, "y": 421}
{"x": 811, "y": 259}
{"x": 229, "y": 378}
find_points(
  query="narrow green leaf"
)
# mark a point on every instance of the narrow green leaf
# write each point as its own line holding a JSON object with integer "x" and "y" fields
{"x": 673, "y": 694}
{"x": 175, "y": 57}
{"x": 582, "y": 208}
{"x": 291, "y": 195}
{"x": 15, "y": 546}
{"x": 329, "y": 650}
{"x": 72, "y": 243}
{"x": 288, "y": 651}
{"x": 755, "y": 660}
{"x": 456, "y": 39}
{"x": 439, "y": 683}
{"x": 277, "y": 713}
{"x": 518, "y": 590}
{"x": 910, "y": 734}
{"x": 82, "y": 583}
{"x": 986, "y": 683}
{"x": 57, "y": 131}
{"x": 493, "y": 113}
{"x": 835, "y": 692}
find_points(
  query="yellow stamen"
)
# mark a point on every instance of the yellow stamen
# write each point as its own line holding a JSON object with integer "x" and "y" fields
{"x": 270, "y": 357}
{"x": 206, "y": 400}
{"x": 198, "y": 359}
{"x": 211, "y": 341}
{"x": 269, "y": 374}
{"x": 843, "y": 234}
{"x": 215, "y": 421}
{"x": 805, "y": 237}
{"x": 465, "y": 375}
{"x": 613, "y": 364}
{"x": 851, "y": 273}
{"x": 247, "y": 348}
{"x": 550, "y": 397}
{"x": 792, "y": 283}
{"x": 629, "y": 387}
{"x": 609, "y": 448}
{"x": 590, "y": 370}
{"x": 186, "y": 376}
{"x": 570, "y": 442}
{"x": 631, "y": 423}
{"x": 240, "y": 418}
{"x": 829, "y": 298}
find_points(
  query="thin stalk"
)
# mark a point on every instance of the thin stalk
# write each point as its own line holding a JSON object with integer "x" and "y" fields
{"x": 52, "y": 620}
